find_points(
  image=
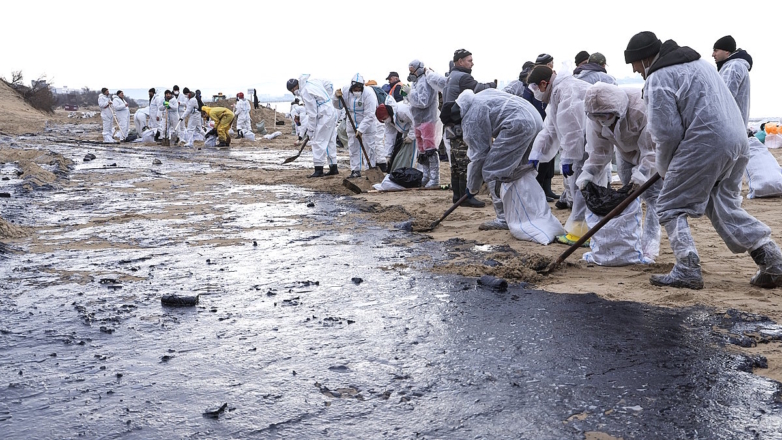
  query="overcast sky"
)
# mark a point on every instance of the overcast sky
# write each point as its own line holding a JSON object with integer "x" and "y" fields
{"x": 261, "y": 44}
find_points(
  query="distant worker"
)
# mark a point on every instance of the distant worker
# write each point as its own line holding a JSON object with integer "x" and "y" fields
{"x": 394, "y": 87}
{"x": 141, "y": 120}
{"x": 319, "y": 121}
{"x": 181, "y": 105}
{"x": 361, "y": 105}
{"x": 581, "y": 59}
{"x": 192, "y": 112}
{"x": 399, "y": 134}
{"x": 222, "y": 118}
{"x": 154, "y": 114}
{"x": 734, "y": 66}
{"x": 123, "y": 114}
{"x": 595, "y": 70}
{"x": 242, "y": 111}
{"x": 255, "y": 99}
{"x": 104, "y": 102}
{"x": 169, "y": 108}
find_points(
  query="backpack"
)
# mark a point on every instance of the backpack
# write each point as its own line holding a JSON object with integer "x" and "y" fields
{"x": 381, "y": 94}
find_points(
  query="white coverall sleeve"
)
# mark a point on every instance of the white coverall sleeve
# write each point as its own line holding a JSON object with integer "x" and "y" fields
{"x": 421, "y": 95}
{"x": 600, "y": 150}
{"x": 570, "y": 119}
{"x": 646, "y": 166}
{"x": 436, "y": 80}
{"x": 477, "y": 136}
{"x": 370, "y": 105}
{"x": 733, "y": 75}
{"x": 311, "y": 111}
{"x": 118, "y": 104}
{"x": 546, "y": 143}
{"x": 663, "y": 121}
{"x": 103, "y": 102}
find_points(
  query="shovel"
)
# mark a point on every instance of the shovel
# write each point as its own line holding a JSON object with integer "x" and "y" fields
{"x": 355, "y": 128}
{"x": 614, "y": 212}
{"x": 447, "y": 213}
{"x": 119, "y": 127}
{"x": 166, "y": 141}
{"x": 292, "y": 158}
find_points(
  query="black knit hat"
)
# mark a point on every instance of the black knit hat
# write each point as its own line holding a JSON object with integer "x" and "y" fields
{"x": 544, "y": 58}
{"x": 581, "y": 57}
{"x": 726, "y": 43}
{"x": 538, "y": 74}
{"x": 451, "y": 113}
{"x": 525, "y": 70}
{"x": 291, "y": 84}
{"x": 643, "y": 45}
{"x": 460, "y": 53}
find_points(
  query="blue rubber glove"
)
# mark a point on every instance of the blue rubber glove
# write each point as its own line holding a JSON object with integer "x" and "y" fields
{"x": 567, "y": 169}
{"x": 534, "y": 163}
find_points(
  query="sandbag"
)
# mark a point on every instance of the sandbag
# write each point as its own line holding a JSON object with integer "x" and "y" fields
{"x": 527, "y": 212}
{"x": 148, "y": 136}
{"x": 249, "y": 135}
{"x": 773, "y": 141}
{"x": 260, "y": 127}
{"x": 601, "y": 200}
{"x": 618, "y": 243}
{"x": 273, "y": 135}
{"x": 387, "y": 184}
{"x": 764, "y": 175}
{"x": 407, "y": 156}
{"x": 407, "y": 177}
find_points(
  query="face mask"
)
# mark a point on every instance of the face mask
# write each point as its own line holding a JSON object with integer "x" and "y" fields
{"x": 536, "y": 91}
{"x": 297, "y": 93}
{"x": 176, "y": 93}
{"x": 356, "y": 93}
{"x": 608, "y": 122}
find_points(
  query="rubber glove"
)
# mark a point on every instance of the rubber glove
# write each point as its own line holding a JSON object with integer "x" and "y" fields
{"x": 534, "y": 163}
{"x": 338, "y": 92}
{"x": 567, "y": 169}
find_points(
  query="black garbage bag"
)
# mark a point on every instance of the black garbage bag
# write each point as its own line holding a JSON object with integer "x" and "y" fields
{"x": 407, "y": 177}
{"x": 601, "y": 200}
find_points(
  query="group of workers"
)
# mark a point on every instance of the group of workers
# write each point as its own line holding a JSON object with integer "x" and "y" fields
{"x": 687, "y": 113}
{"x": 173, "y": 114}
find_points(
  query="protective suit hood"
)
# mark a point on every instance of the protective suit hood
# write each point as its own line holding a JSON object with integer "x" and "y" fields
{"x": 740, "y": 54}
{"x": 357, "y": 78}
{"x": 207, "y": 110}
{"x": 672, "y": 54}
{"x": 606, "y": 98}
{"x": 465, "y": 100}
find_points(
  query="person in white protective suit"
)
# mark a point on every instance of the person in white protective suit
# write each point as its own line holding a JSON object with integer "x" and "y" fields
{"x": 734, "y": 66}
{"x": 242, "y": 111}
{"x": 154, "y": 115}
{"x": 192, "y": 112}
{"x": 617, "y": 117}
{"x": 563, "y": 129}
{"x": 499, "y": 130}
{"x": 702, "y": 152}
{"x": 171, "y": 104}
{"x": 399, "y": 134}
{"x": 106, "y": 115}
{"x": 320, "y": 122}
{"x": 141, "y": 120}
{"x": 299, "y": 116}
{"x": 361, "y": 103}
{"x": 122, "y": 112}
{"x": 424, "y": 104}
{"x": 182, "y": 104}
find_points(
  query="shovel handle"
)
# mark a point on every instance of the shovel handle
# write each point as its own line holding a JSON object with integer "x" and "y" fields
{"x": 614, "y": 212}
{"x": 355, "y": 128}
{"x": 450, "y": 210}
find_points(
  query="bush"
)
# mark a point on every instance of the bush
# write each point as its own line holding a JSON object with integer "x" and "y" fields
{"x": 39, "y": 96}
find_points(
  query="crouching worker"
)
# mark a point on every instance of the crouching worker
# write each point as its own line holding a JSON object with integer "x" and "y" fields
{"x": 223, "y": 119}
{"x": 318, "y": 121}
{"x": 617, "y": 117}
{"x": 399, "y": 135}
{"x": 503, "y": 162}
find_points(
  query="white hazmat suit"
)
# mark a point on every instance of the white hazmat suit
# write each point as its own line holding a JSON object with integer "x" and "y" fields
{"x": 424, "y": 104}
{"x": 499, "y": 129}
{"x": 123, "y": 116}
{"x": 173, "y": 115}
{"x": 319, "y": 119}
{"x": 361, "y": 106}
{"x": 401, "y": 123}
{"x": 242, "y": 110}
{"x": 564, "y": 128}
{"x": 633, "y": 144}
{"x": 195, "y": 131}
{"x": 141, "y": 119}
{"x": 104, "y": 102}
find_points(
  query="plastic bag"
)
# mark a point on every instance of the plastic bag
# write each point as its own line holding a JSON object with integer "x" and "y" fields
{"x": 249, "y": 135}
{"x": 211, "y": 141}
{"x": 773, "y": 141}
{"x": 387, "y": 184}
{"x": 528, "y": 214}
{"x": 148, "y": 136}
{"x": 407, "y": 177}
{"x": 764, "y": 175}
{"x": 273, "y": 135}
{"x": 260, "y": 127}
{"x": 601, "y": 200}
{"x": 618, "y": 243}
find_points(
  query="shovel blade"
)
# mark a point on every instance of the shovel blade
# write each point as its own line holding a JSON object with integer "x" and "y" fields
{"x": 290, "y": 159}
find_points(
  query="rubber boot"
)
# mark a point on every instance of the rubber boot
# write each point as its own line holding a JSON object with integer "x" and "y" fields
{"x": 456, "y": 186}
{"x": 318, "y": 172}
{"x": 769, "y": 260}
{"x": 383, "y": 167}
{"x": 548, "y": 191}
{"x": 425, "y": 170}
{"x": 332, "y": 170}
{"x": 354, "y": 174}
{"x": 471, "y": 202}
{"x": 687, "y": 270}
{"x": 434, "y": 171}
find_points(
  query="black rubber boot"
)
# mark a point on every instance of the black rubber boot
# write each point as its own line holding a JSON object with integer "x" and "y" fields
{"x": 548, "y": 191}
{"x": 354, "y": 174}
{"x": 471, "y": 202}
{"x": 332, "y": 170}
{"x": 455, "y": 187}
{"x": 318, "y": 172}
